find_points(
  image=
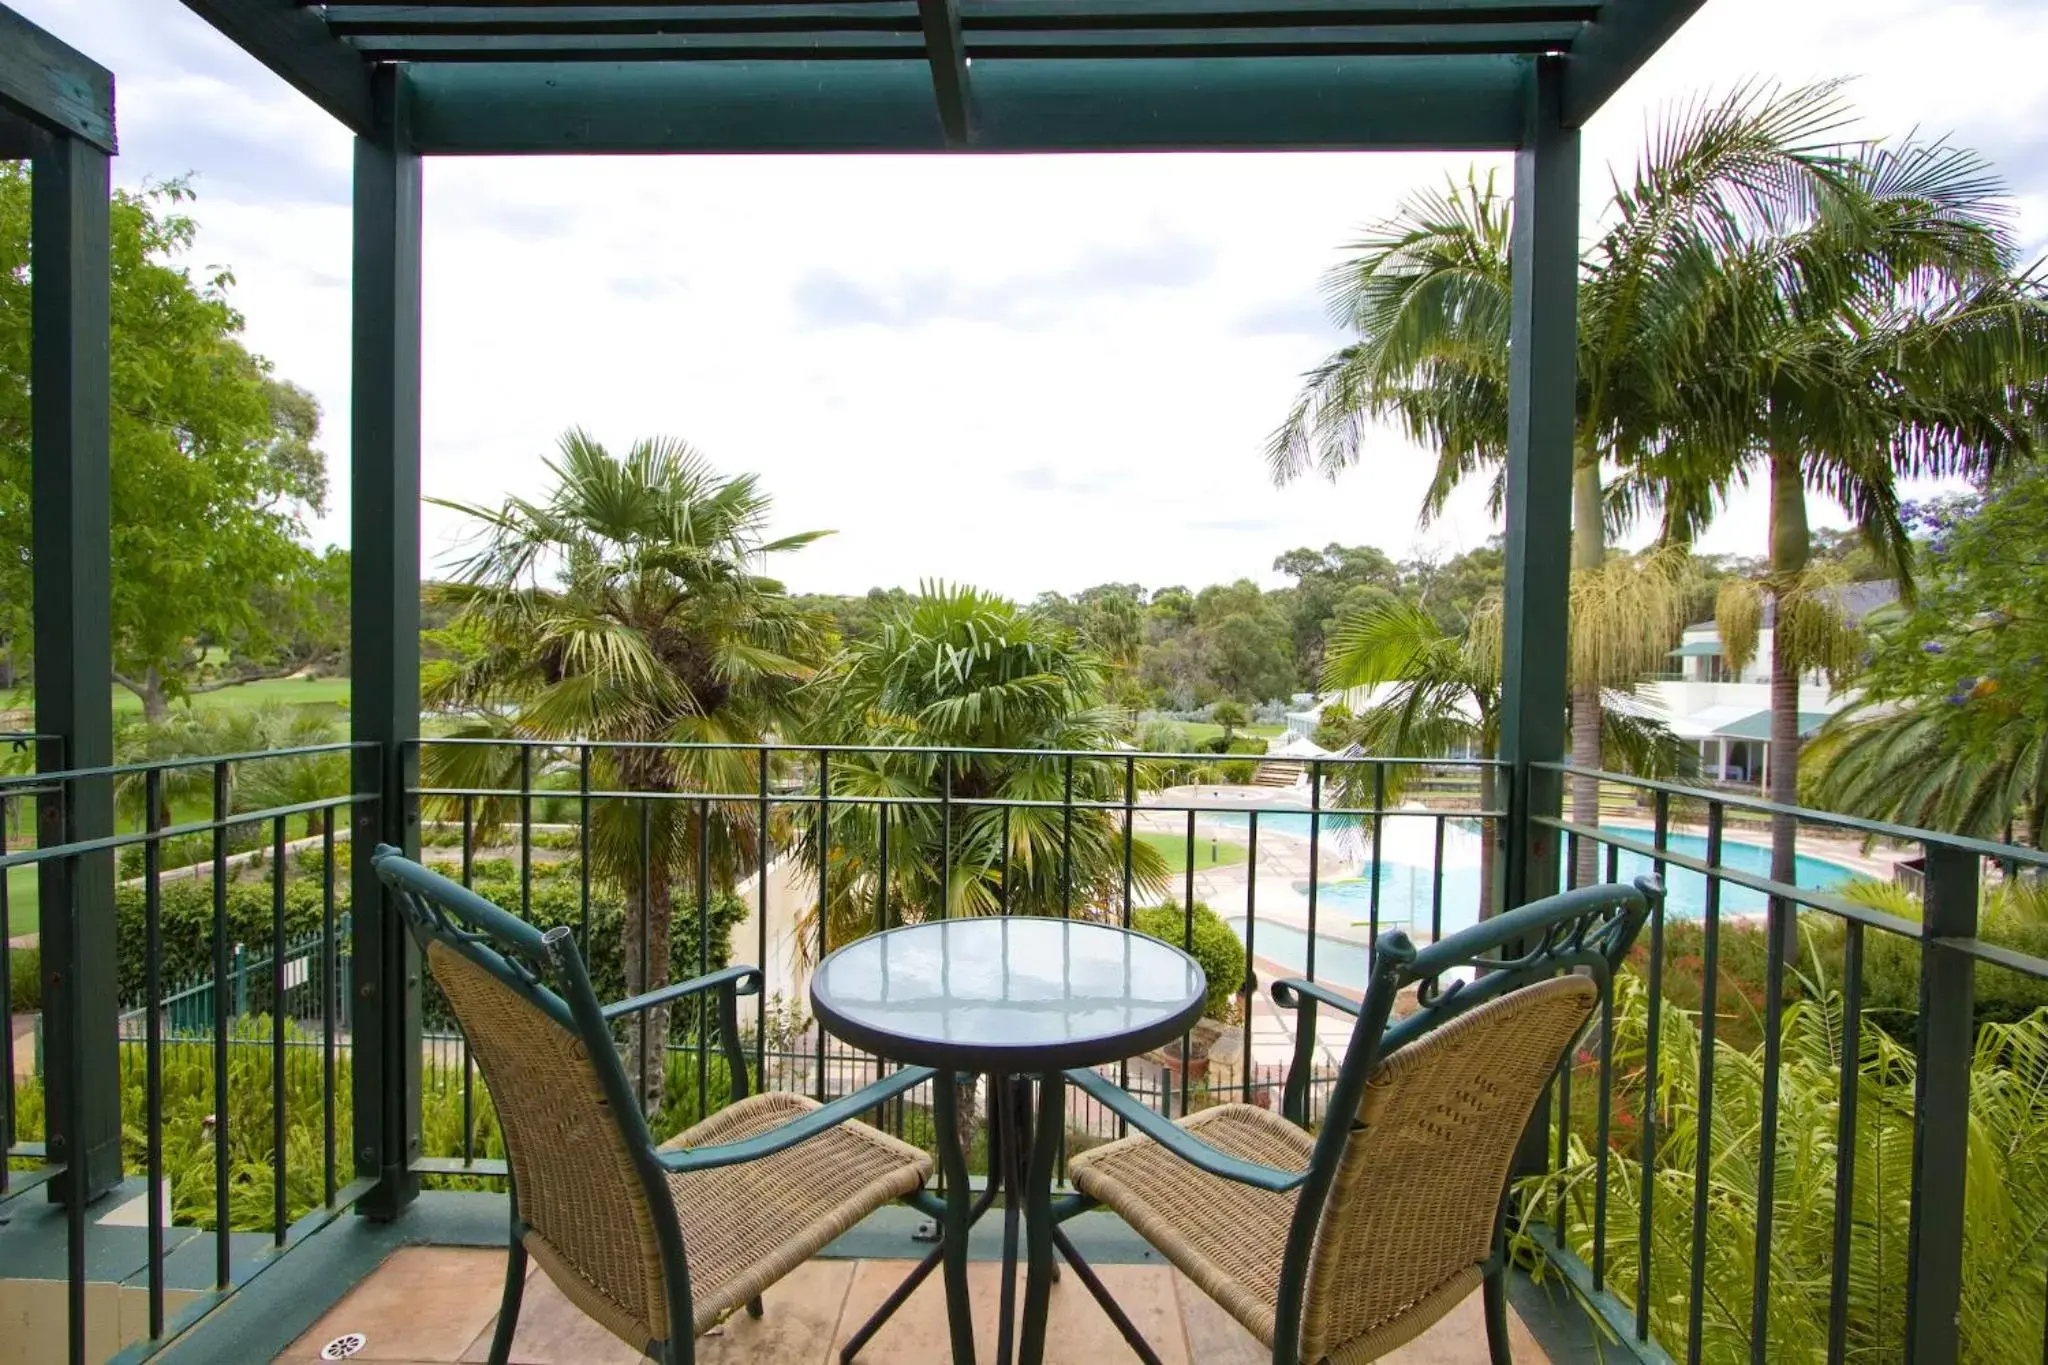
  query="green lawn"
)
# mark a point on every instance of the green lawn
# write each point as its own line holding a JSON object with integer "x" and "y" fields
{"x": 1208, "y": 852}
{"x": 21, "y": 902}
{"x": 331, "y": 692}
{"x": 1199, "y": 731}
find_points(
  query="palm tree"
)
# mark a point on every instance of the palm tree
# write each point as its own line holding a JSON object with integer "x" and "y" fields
{"x": 1429, "y": 298}
{"x": 957, "y": 668}
{"x": 627, "y": 607}
{"x": 1883, "y": 337}
{"x": 1906, "y": 764}
{"x": 1442, "y": 696}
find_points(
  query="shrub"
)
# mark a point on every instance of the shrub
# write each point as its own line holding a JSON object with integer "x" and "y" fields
{"x": 24, "y": 980}
{"x": 1219, "y": 951}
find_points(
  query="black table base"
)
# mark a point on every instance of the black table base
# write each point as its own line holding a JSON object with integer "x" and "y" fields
{"x": 1012, "y": 1154}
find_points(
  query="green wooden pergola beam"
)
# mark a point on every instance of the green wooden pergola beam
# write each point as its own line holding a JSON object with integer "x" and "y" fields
{"x": 51, "y": 85}
{"x": 295, "y": 42}
{"x": 1614, "y": 47}
{"x": 947, "y": 56}
{"x": 1445, "y": 103}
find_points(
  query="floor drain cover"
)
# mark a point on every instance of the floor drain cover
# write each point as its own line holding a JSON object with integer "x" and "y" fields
{"x": 344, "y": 1346}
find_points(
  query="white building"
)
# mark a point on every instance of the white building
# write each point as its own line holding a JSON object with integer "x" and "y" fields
{"x": 1726, "y": 714}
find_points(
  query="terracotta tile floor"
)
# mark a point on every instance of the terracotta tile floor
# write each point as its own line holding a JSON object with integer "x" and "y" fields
{"x": 436, "y": 1306}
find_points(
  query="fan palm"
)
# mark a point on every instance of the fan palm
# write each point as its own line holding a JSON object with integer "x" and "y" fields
{"x": 1904, "y": 764}
{"x": 626, "y": 607}
{"x": 1439, "y": 693}
{"x": 1883, "y": 338}
{"x": 1429, "y": 297}
{"x": 960, "y": 669}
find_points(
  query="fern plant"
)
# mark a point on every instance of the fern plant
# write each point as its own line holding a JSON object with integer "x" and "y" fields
{"x": 2006, "y": 1239}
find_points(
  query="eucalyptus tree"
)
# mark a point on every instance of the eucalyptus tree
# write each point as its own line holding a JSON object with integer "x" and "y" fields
{"x": 1428, "y": 296}
{"x": 628, "y": 607}
{"x": 959, "y": 800}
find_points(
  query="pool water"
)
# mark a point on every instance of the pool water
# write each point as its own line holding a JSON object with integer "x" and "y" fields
{"x": 1412, "y": 897}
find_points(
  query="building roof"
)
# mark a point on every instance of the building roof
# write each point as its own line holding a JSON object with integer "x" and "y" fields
{"x": 1757, "y": 725}
{"x": 1854, "y": 600}
{"x": 484, "y": 76}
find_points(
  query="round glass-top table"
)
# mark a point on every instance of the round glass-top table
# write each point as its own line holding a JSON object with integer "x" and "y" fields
{"x": 1012, "y": 996}
{"x": 1017, "y": 999}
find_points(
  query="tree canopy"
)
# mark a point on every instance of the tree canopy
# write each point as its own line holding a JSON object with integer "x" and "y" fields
{"x": 215, "y": 459}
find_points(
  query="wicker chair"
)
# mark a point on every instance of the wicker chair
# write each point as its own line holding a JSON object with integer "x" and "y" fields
{"x": 657, "y": 1244}
{"x": 1342, "y": 1245}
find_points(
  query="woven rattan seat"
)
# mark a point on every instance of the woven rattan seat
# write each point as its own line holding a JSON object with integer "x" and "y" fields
{"x": 640, "y": 1238}
{"x": 748, "y": 1226}
{"x": 1343, "y": 1244}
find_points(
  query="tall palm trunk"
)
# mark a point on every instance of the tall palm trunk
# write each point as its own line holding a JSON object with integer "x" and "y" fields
{"x": 645, "y": 944}
{"x": 1790, "y": 547}
{"x": 1589, "y": 552}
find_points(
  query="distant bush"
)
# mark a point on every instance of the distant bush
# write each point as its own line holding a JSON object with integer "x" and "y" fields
{"x": 24, "y": 980}
{"x": 1219, "y": 950}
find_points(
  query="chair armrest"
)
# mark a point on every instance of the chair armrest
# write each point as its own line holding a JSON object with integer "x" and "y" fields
{"x": 796, "y": 1130}
{"x": 1289, "y": 994}
{"x": 731, "y": 978}
{"x": 1181, "y": 1142}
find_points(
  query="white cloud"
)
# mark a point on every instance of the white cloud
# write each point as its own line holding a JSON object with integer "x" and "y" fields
{"x": 1025, "y": 372}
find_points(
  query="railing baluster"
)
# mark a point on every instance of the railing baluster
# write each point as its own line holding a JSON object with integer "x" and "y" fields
{"x": 278, "y": 1204}
{"x": 1249, "y": 989}
{"x": 1123, "y": 1066}
{"x": 1436, "y": 888}
{"x": 762, "y": 820}
{"x": 1651, "y": 1041}
{"x": 1703, "y": 1173}
{"x": 704, "y": 957}
{"x": 1379, "y": 813}
{"x": 646, "y": 938}
{"x": 6, "y": 1008}
{"x": 1315, "y": 840}
{"x": 1187, "y": 945}
{"x": 153, "y": 1045}
{"x": 1779, "y": 923}
{"x": 221, "y": 1263}
{"x": 468, "y": 1072}
{"x": 1845, "y": 1142}
{"x": 583, "y": 849}
{"x": 1003, "y": 866}
{"x": 330, "y": 986}
{"x": 1067, "y": 843}
{"x": 526, "y": 830}
{"x": 825, "y": 892}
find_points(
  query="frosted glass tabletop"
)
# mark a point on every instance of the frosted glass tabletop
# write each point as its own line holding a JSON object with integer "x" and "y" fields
{"x": 1012, "y": 995}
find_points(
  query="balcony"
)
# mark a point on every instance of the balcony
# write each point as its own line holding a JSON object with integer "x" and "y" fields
{"x": 243, "y": 1124}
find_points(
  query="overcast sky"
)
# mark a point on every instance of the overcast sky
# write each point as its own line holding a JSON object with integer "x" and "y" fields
{"x": 1020, "y": 372}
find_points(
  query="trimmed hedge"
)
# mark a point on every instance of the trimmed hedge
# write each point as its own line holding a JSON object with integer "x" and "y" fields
{"x": 187, "y": 931}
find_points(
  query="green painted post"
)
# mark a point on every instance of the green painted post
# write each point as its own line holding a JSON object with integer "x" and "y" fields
{"x": 1947, "y": 1040}
{"x": 1542, "y": 401}
{"x": 384, "y": 635}
{"x": 73, "y": 642}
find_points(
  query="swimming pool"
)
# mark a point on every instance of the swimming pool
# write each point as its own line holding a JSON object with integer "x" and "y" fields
{"x": 1409, "y": 894}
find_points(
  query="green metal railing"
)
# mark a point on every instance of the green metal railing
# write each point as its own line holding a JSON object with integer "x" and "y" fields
{"x": 541, "y": 803}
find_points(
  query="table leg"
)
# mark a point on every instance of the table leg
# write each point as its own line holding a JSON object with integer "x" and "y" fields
{"x": 1011, "y": 1096}
{"x": 1045, "y": 1142}
{"x": 901, "y": 1294}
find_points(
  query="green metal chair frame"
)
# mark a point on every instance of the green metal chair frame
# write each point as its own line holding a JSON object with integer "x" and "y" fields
{"x": 528, "y": 960}
{"x": 1587, "y": 931}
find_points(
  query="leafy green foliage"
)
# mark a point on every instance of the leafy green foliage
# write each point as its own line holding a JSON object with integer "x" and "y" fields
{"x": 961, "y": 668}
{"x": 1220, "y": 951}
{"x": 214, "y": 462}
{"x": 1949, "y": 733}
{"x": 2004, "y": 1260}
